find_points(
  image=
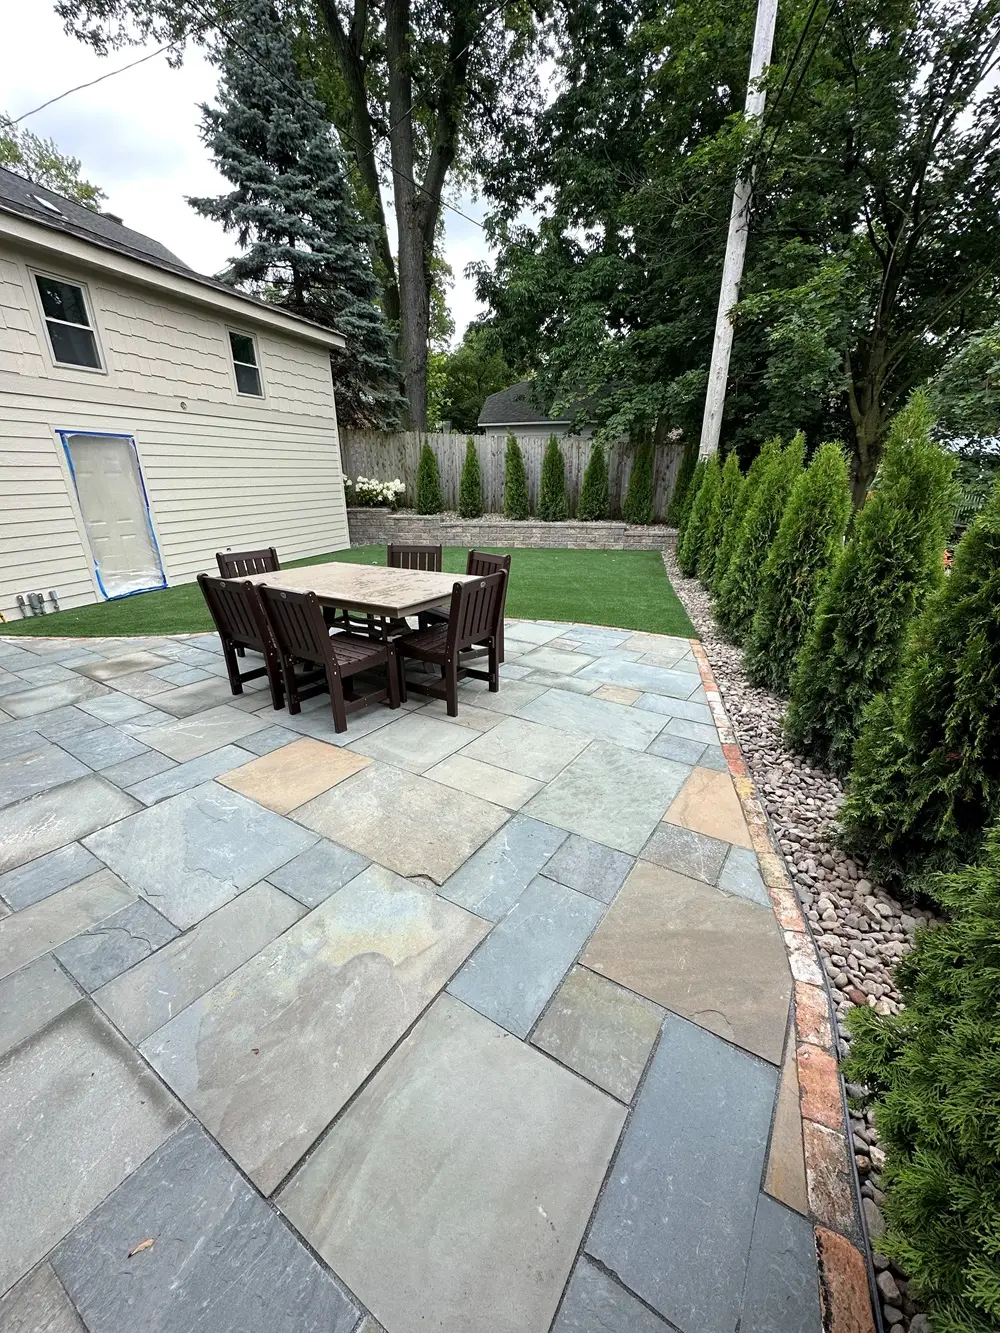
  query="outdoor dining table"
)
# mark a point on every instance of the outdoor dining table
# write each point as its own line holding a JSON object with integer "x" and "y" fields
{"x": 378, "y": 590}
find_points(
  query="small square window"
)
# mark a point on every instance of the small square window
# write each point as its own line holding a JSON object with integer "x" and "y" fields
{"x": 245, "y": 364}
{"x": 68, "y": 323}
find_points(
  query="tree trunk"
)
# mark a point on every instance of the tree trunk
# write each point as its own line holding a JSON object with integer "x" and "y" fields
{"x": 864, "y": 396}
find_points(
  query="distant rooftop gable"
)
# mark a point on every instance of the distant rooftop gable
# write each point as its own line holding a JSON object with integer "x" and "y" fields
{"x": 517, "y": 406}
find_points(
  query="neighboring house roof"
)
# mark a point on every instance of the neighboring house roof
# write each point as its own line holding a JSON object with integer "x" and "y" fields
{"x": 517, "y": 406}
{"x": 23, "y": 198}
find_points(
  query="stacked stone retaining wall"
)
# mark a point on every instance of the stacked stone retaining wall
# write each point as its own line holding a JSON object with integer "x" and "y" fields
{"x": 375, "y": 527}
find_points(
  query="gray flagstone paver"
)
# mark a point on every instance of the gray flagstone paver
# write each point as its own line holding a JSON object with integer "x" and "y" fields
{"x": 590, "y": 867}
{"x": 687, "y": 852}
{"x": 57, "y": 870}
{"x": 412, "y": 741}
{"x": 36, "y": 770}
{"x": 31, "y": 997}
{"x": 642, "y": 676}
{"x": 177, "y": 778}
{"x": 597, "y": 718}
{"x": 314, "y": 874}
{"x": 671, "y": 707}
{"x": 115, "y": 944}
{"x": 39, "y": 1304}
{"x": 782, "y": 1294}
{"x": 741, "y": 875}
{"x": 103, "y": 746}
{"x": 595, "y": 1302}
{"x": 45, "y": 698}
{"x": 35, "y": 930}
{"x": 192, "y": 737}
{"x": 53, "y": 818}
{"x": 131, "y": 772}
{"x": 527, "y": 748}
{"x": 492, "y": 879}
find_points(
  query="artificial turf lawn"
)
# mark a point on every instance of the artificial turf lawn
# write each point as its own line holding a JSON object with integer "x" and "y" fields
{"x": 629, "y": 589}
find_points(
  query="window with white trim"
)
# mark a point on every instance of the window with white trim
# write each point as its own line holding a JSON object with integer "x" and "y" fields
{"x": 71, "y": 333}
{"x": 245, "y": 364}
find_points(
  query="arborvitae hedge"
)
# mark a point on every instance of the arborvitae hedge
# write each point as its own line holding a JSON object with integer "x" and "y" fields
{"x": 726, "y": 496}
{"x": 808, "y": 543}
{"x": 690, "y": 546}
{"x": 594, "y": 503}
{"x": 552, "y": 505}
{"x": 926, "y": 777}
{"x": 935, "y": 1073}
{"x": 734, "y": 523}
{"x": 638, "y": 506}
{"x": 891, "y": 561}
{"x": 428, "y": 483}
{"x": 689, "y": 498}
{"x": 470, "y": 496}
{"x": 737, "y": 601}
{"x": 515, "y": 482}
{"x": 685, "y": 472}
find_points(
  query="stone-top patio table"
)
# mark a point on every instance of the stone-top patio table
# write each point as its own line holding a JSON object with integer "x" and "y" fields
{"x": 394, "y": 593}
{"x": 488, "y": 1024}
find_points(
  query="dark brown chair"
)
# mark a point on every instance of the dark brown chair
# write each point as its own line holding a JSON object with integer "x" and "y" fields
{"x": 239, "y": 618}
{"x": 414, "y": 557}
{"x": 471, "y": 632}
{"x": 482, "y": 562}
{"x": 302, "y": 636}
{"x": 241, "y": 564}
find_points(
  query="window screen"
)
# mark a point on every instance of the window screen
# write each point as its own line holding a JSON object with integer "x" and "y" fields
{"x": 68, "y": 323}
{"x": 245, "y": 364}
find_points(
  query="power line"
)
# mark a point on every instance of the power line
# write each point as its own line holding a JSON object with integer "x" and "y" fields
{"x": 150, "y": 55}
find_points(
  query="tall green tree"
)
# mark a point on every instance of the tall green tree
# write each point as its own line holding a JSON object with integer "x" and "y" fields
{"x": 304, "y": 246}
{"x": 429, "y": 499}
{"x": 690, "y": 495}
{"x": 594, "y": 503}
{"x": 470, "y": 499}
{"x": 637, "y": 506}
{"x": 734, "y": 523}
{"x": 892, "y": 559}
{"x": 552, "y": 507}
{"x": 468, "y": 375}
{"x": 726, "y": 499}
{"x": 690, "y": 547}
{"x": 806, "y": 548}
{"x": 689, "y": 461}
{"x": 40, "y": 161}
{"x": 515, "y": 482}
{"x": 926, "y": 778}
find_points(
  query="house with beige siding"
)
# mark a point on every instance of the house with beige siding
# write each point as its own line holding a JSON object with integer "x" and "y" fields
{"x": 150, "y": 416}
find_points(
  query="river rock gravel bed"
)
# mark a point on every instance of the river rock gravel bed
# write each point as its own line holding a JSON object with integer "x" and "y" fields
{"x": 861, "y": 930}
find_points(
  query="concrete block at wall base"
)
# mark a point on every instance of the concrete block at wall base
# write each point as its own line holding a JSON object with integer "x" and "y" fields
{"x": 377, "y": 527}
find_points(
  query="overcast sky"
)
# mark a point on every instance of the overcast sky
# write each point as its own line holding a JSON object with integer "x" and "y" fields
{"x": 136, "y": 135}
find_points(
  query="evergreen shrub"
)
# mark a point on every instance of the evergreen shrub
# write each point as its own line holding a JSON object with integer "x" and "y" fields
{"x": 892, "y": 560}
{"x": 737, "y": 601}
{"x": 689, "y": 498}
{"x": 638, "y": 506}
{"x": 726, "y": 496}
{"x": 926, "y": 777}
{"x": 934, "y": 1070}
{"x": 690, "y": 546}
{"x": 515, "y": 483}
{"x": 428, "y": 482}
{"x": 594, "y": 504}
{"x": 470, "y": 495}
{"x": 689, "y": 461}
{"x": 734, "y": 523}
{"x": 552, "y": 506}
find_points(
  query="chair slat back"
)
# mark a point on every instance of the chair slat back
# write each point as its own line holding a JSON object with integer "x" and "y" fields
{"x": 485, "y": 562}
{"x": 235, "y": 608}
{"x": 476, "y": 608}
{"x": 414, "y": 557}
{"x": 241, "y": 564}
{"x": 296, "y": 621}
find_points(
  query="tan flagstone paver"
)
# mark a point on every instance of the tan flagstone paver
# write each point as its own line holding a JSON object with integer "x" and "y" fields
{"x": 785, "y": 1175}
{"x": 289, "y": 777}
{"x": 617, "y": 694}
{"x": 707, "y": 803}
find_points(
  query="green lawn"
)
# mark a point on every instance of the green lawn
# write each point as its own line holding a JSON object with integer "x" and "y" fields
{"x": 624, "y": 588}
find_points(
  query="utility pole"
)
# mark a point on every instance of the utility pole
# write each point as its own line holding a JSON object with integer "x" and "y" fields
{"x": 736, "y": 242}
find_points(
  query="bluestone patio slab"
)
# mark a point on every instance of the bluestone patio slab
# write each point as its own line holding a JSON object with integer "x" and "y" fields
{"x": 512, "y": 671}
{"x": 610, "y": 795}
{"x": 692, "y": 730}
{"x": 39, "y": 1304}
{"x": 589, "y": 867}
{"x": 716, "y": 959}
{"x": 491, "y": 881}
{"x": 514, "y": 695}
{"x": 30, "y": 998}
{"x": 271, "y": 738}
{"x": 123, "y": 665}
{"x": 642, "y": 676}
{"x": 79, "y": 1111}
{"x": 600, "y": 1030}
{"x": 47, "y": 698}
{"x": 18, "y": 738}
{"x": 512, "y": 975}
{"x": 151, "y": 993}
{"x": 552, "y": 680}
{"x": 314, "y": 874}
{"x": 670, "y": 707}
{"x": 188, "y": 699}
{"x": 115, "y": 944}
{"x": 35, "y": 930}
{"x": 785, "y": 1177}
{"x": 741, "y": 875}
{"x": 708, "y": 804}
{"x": 62, "y": 722}
{"x": 142, "y": 685}
{"x": 403, "y": 821}
{"x": 676, "y": 1218}
{"x": 498, "y": 785}
{"x": 782, "y": 1290}
{"x": 57, "y": 870}
{"x": 595, "y": 1303}
{"x": 454, "y": 1192}
{"x": 713, "y": 757}
{"x": 596, "y": 718}
{"x": 53, "y": 818}
{"x": 530, "y": 632}
{"x": 413, "y": 741}
{"x": 555, "y": 660}
{"x": 527, "y": 748}
{"x": 179, "y": 673}
{"x": 677, "y": 747}
{"x": 470, "y": 717}
{"x": 617, "y": 694}
{"x": 221, "y": 1258}
{"x": 318, "y": 721}
{"x": 149, "y": 764}
{"x": 687, "y": 852}
{"x": 252, "y": 1057}
{"x": 191, "y": 737}
{"x": 294, "y": 774}
{"x": 196, "y": 851}
{"x": 36, "y": 770}
{"x": 103, "y": 746}
{"x": 182, "y": 777}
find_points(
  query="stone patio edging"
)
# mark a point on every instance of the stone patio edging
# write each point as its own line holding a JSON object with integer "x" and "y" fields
{"x": 846, "y": 1280}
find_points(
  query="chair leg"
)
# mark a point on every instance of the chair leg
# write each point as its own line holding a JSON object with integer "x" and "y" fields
{"x": 229, "y": 652}
{"x": 494, "y": 667}
{"x": 288, "y": 672}
{"x": 500, "y": 641}
{"x": 337, "y": 702}
{"x": 393, "y": 675}
{"x": 451, "y": 687}
{"x": 274, "y": 681}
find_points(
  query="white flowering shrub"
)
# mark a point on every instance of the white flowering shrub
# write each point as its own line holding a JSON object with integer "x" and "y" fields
{"x": 369, "y": 492}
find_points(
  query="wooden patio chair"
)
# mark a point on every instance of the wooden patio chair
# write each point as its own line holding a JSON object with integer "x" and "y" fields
{"x": 239, "y": 618}
{"x": 303, "y": 637}
{"x": 481, "y": 562}
{"x": 471, "y": 633}
{"x": 241, "y": 564}
{"x": 427, "y": 558}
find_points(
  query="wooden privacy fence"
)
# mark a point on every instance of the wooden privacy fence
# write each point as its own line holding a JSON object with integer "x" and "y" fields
{"x": 386, "y": 456}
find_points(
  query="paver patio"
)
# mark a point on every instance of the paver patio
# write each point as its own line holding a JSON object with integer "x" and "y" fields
{"x": 478, "y": 1025}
